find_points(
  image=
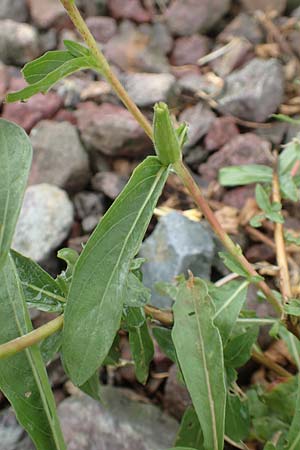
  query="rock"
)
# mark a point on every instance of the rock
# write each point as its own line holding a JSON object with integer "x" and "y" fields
{"x": 293, "y": 130}
{"x": 176, "y": 396}
{"x": 35, "y": 109}
{"x": 131, "y": 9}
{"x": 186, "y": 17}
{"x": 176, "y": 245}
{"x": 109, "y": 183}
{"x": 195, "y": 156}
{"x": 14, "y": 9}
{"x": 88, "y": 203}
{"x": 191, "y": 83}
{"x": 200, "y": 118}
{"x": 140, "y": 49}
{"x": 18, "y": 42}
{"x": 187, "y": 50}
{"x": 102, "y": 28}
{"x": 59, "y": 157}
{"x": 265, "y": 5}
{"x": 243, "y": 149}
{"x": 121, "y": 424}
{"x": 4, "y": 81}
{"x": 111, "y": 130}
{"x": 294, "y": 39}
{"x": 45, "y": 221}
{"x": 243, "y": 26}
{"x": 237, "y": 197}
{"x": 239, "y": 53}
{"x": 274, "y": 134}
{"x": 92, "y": 7}
{"x": 222, "y": 130}
{"x": 12, "y": 435}
{"x": 47, "y": 13}
{"x": 253, "y": 92}
{"x": 145, "y": 89}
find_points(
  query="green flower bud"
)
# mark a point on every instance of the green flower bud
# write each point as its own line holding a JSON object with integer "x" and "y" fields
{"x": 166, "y": 141}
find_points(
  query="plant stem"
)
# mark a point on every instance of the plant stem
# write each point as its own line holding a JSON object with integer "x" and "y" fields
{"x": 285, "y": 284}
{"x": 104, "y": 67}
{"x": 269, "y": 363}
{"x": 34, "y": 337}
{"x": 200, "y": 201}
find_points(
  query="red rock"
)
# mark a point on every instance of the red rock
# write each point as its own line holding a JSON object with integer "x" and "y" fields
{"x": 111, "y": 129}
{"x": 102, "y": 28}
{"x": 3, "y": 81}
{"x": 221, "y": 131}
{"x": 243, "y": 149}
{"x": 188, "y": 50}
{"x": 130, "y": 9}
{"x": 237, "y": 197}
{"x": 35, "y": 109}
{"x": 63, "y": 115}
{"x": 47, "y": 13}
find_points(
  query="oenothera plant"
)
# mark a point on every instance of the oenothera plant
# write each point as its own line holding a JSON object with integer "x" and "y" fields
{"x": 208, "y": 334}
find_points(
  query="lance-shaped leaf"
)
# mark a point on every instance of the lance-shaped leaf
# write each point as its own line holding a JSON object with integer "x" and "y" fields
{"x": 248, "y": 174}
{"x": 42, "y": 73}
{"x": 199, "y": 350}
{"x": 228, "y": 300}
{"x": 237, "y": 422}
{"x": 40, "y": 289}
{"x": 190, "y": 433}
{"x": 96, "y": 295}
{"x": 141, "y": 345}
{"x": 23, "y": 378}
{"x": 16, "y": 154}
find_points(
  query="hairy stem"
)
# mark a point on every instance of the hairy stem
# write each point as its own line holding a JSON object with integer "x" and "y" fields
{"x": 200, "y": 201}
{"x": 104, "y": 67}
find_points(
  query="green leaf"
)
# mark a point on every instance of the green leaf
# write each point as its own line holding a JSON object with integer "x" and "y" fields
{"x": 242, "y": 175}
{"x": 292, "y": 343}
{"x": 141, "y": 345}
{"x": 285, "y": 118}
{"x": 262, "y": 198}
{"x": 199, "y": 350}
{"x": 36, "y": 70}
{"x": 238, "y": 350}
{"x": 92, "y": 387}
{"x": 292, "y": 307}
{"x": 237, "y": 421}
{"x": 182, "y": 448}
{"x": 232, "y": 264}
{"x": 69, "y": 256}
{"x": 77, "y": 49}
{"x": 163, "y": 337}
{"x": 288, "y": 157}
{"x": 290, "y": 238}
{"x": 288, "y": 187}
{"x": 189, "y": 433}
{"x": 228, "y": 300}
{"x": 269, "y": 446}
{"x": 16, "y": 154}
{"x": 256, "y": 221}
{"x": 293, "y": 437}
{"x": 43, "y": 85}
{"x": 23, "y": 377}
{"x": 94, "y": 306}
{"x": 50, "y": 346}
{"x": 40, "y": 290}
{"x": 136, "y": 293}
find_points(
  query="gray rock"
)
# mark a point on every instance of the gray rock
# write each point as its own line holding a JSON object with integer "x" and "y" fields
{"x": 12, "y": 436}
{"x": 176, "y": 245}
{"x": 253, "y": 92}
{"x": 243, "y": 26}
{"x": 102, "y": 28}
{"x": 59, "y": 157}
{"x": 293, "y": 130}
{"x": 145, "y": 89}
{"x": 88, "y": 203}
{"x": 109, "y": 183}
{"x": 14, "y": 9}
{"x": 121, "y": 424}
{"x": 112, "y": 130}
{"x": 188, "y": 49}
{"x": 140, "y": 48}
{"x": 274, "y": 134}
{"x": 18, "y": 42}
{"x": 45, "y": 221}
{"x": 186, "y": 17}
{"x": 47, "y": 13}
{"x": 200, "y": 118}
